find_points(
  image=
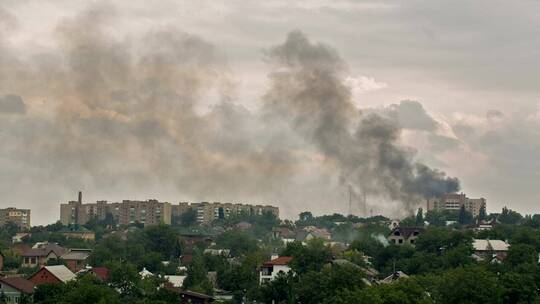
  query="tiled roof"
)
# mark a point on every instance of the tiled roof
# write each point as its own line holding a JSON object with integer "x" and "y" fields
{"x": 19, "y": 283}
{"x": 283, "y": 260}
{"x": 75, "y": 254}
{"x": 406, "y": 232}
{"x": 484, "y": 245}
{"x": 44, "y": 250}
{"x": 101, "y": 272}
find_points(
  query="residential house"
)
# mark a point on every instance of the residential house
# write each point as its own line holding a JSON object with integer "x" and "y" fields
{"x": 19, "y": 237}
{"x": 15, "y": 289}
{"x": 285, "y": 234}
{"x": 490, "y": 249}
{"x": 40, "y": 253}
{"x": 76, "y": 258}
{"x": 270, "y": 269}
{"x": 175, "y": 280}
{"x": 190, "y": 297}
{"x": 101, "y": 273}
{"x": 78, "y": 232}
{"x": 218, "y": 252}
{"x": 404, "y": 235}
{"x": 52, "y": 274}
{"x": 394, "y": 277}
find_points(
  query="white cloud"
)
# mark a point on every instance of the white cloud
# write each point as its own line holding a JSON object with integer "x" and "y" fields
{"x": 363, "y": 84}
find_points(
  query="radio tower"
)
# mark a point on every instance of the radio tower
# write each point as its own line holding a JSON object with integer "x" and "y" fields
{"x": 350, "y": 200}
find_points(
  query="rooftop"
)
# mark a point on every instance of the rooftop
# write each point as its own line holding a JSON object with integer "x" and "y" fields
{"x": 283, "y": 260}
{"x": 19, "y": 283}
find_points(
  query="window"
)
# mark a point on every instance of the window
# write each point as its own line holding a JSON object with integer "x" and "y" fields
{"x": 412, "y": 241}
{"x": 401, "y": 241}
{"x": 393, "y": 241}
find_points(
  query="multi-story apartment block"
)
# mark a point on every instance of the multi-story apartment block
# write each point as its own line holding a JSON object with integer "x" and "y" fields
{"x": 207, "y": 212}
{"x": 150, "y": 212}
{"x": 454, "y": 201}
{"x": 20, "y": 217}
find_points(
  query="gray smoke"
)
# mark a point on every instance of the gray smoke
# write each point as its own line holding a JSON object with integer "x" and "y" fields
{"x": 308, "y": 89}
{"x": 121, "y": 117}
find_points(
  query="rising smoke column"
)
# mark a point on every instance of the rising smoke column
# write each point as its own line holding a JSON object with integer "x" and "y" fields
{"x": 308, "y": 89}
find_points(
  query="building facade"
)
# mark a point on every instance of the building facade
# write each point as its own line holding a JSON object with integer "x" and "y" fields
{"x": 271, "y": 269}
{"x": 208, "y": 212}
{"x": 20, "y": 217}
{"x": 149, "y": 212}
{"x": 454, "y": 201}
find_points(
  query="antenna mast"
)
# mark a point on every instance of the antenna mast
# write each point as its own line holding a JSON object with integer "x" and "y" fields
{"x": 350, "y": 200}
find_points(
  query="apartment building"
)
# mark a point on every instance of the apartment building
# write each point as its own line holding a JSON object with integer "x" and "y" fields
{"x": 454, "y": 201}
{"x": 207, "y": 212}
{"x": 149, "y": 212}
{"x": 20, "y": 217}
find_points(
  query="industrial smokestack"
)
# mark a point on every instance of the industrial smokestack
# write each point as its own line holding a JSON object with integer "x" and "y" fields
{"x": 80, "y": 197}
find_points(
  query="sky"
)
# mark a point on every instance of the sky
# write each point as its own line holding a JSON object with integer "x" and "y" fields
{"x": 271, "y": 102}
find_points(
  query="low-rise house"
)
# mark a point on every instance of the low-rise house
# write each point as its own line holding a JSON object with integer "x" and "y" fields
{"x": 101, "y": 273}
{"x": 490, "y": 248}
{"x": 218, "y": 252}
{"x": 190, "y": 297}
{"x": 404, "y": 235}
{"x": 52, "y": 274}
{"x": 393, "y": 224}
{"x": 15, "y": 289}
{"x": 78, "y": 232}
{"x": 175, "y": 280}
{"x": 394, "y": 277}
{"x": 19, "y": 237}
{"x": 76, "y": 258}
{"x": 20, "y": 248}
{"x": 40, "y": 253}
{"x": 283, "y": 233}
{"x": 270, "y": 269}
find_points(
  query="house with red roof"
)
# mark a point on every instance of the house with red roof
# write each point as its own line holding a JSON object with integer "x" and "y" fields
{"x": 52, "y": 274}
{"x": 271, "y": 269}
{"x": 15, "y": 289}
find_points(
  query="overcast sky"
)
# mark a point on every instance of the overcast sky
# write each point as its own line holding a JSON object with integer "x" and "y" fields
{"x": 460, "y": 77}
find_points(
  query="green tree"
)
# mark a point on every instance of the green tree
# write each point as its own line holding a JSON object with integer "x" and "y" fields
{"x": 188, "y": 218}
{"x": 420, "y": 217}
{"x": 197, "y": 279}
{"x": 308, "y": 258}
{"x": 464, "y": 216}
{"x": 509, "y": 217}
{"x": 482, "y": 214}
{"x": 239, "y": 242}
{"x": 521, "y": 254}
{"x": 475, "y": 285}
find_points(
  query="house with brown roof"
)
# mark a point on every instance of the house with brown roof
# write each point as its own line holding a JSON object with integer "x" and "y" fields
{"x": 52, "y": 274}
{"x": 101, "y": 273}
{"x": 191, "y": 297}
{"x": 271, "y": 269}
{"x": 404, "y": 235}
{"x": 15, "y": 289}
{"x": 40, "y": 253}
{"x": 76, "y": 258}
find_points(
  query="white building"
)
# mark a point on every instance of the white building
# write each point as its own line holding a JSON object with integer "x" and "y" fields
{"x": 270, "y": 270}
